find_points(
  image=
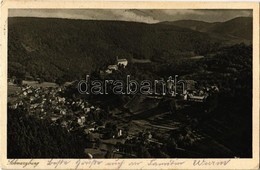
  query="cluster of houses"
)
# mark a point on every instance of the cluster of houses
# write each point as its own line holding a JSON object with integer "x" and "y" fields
{"x": 188, "y": 91}
{"x": 201, "y": 95}
{"x": 119, "y": 62}
{"x": 76, "y": 113}
{"x": 48, "y": 103}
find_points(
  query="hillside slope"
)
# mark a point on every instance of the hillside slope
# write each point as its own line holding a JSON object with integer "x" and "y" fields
{"x": 52, "y": 48}
{"x": 239, "y": 28}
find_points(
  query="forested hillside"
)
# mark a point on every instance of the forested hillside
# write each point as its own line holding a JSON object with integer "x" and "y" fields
{"x": 29, "y": 137}
{"x": 236, "y": 30}
{"x": 51, "y": 48}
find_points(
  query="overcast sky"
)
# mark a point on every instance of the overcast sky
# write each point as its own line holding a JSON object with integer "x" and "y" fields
{"x": 147, "y": 15}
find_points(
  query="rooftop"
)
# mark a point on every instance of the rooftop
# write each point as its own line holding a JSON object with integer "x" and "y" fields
{"x": 122, "y": 59}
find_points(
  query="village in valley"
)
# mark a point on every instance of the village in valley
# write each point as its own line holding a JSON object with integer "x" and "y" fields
{"x": 120, "y": 131}
{"x": 176, "y": 87}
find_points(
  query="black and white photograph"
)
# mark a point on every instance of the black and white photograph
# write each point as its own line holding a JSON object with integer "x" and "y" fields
{"x": 130, "y": 84}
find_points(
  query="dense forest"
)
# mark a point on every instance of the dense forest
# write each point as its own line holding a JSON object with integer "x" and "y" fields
{"x": 30, "y": 137}
{"x": 63, "y": 48}
{"x": 221, "y": 30}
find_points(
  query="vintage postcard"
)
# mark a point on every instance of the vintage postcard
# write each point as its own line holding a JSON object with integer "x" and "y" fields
{"x": 129, "y": 85}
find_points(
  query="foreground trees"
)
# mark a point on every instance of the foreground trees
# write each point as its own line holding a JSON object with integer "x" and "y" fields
{"x": 29, "y": 137}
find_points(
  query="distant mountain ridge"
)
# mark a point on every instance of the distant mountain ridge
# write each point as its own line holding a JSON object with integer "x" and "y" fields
{"x": 240, "y": 27}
